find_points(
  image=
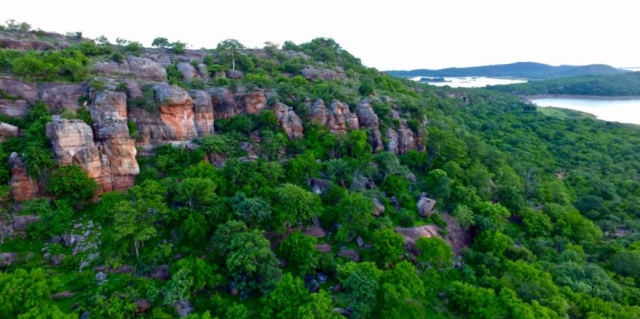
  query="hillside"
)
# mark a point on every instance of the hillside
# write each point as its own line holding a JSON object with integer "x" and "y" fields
{"x": 525, "y": 70}
{"x": 627, "y": 84}
{"x": 294, "y": 182}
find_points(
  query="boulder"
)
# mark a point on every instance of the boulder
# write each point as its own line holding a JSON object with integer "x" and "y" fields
{"x": 224, "y": 103}
{"x": 19, "y": 90}
{"x": 349, "y": 253}
{"x": 426, "y": 206}
{"x": 392, "y": 141}
{"x": 406, "y": 140}
{"x": 21, "y": 222}
{"x": 142, "y": 305}
{"x": 183, "y": 308}
{"x": 378, "y": 207}
{"x": 8, "y": 130}
{"x": 72, "y": 143}
{"x": 318, "y": 112}
{"x": 203, "y": 72}
{"x": 312, "y": 73}
{"x": 412, "y": 234}
{"x": 22, "y": 186}
{"x": 59, "y": 96}
{"x": 161, "y": 273}
{"x": 14, "y": 108}
{"x": 187, "y": 70}
{"x": 341, "y": 119}
{"x": 203, "y": 108}
{"x": 368, "y": 118}
{"x": 140, "y": 68}
{"x": 235, "y": 74}
{"x": 63, "y": 295}
{"x": 56, "y": 260}
{"x": 27, "y": 44}
{"x": 288, "y": 120}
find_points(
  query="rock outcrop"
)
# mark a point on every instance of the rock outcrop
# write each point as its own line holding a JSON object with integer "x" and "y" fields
{"x": 368, "y": 118}
{"x": 426, "y": 206}
{"x": 8, "y": 130}
{"x": 412, "y": 234}
{"x": 203, "y": 109}
{"x": 59, "y": 96}
{"x": 341, "y": 119}
{"x": 19, "y": 96}
{"x": 22, "y": 186}
{"x": 318, "y": 112}
{"x": 174, "y": 119}
{"x": 312, "y": 73}
{"x": 253, "y": 102}
{"x": 26, "y": 44}
{"x": 110, "y": 158}
{"x": 401, "y": 141}
{"x": 224, "y": 103}
{"x": 187, "y": 70}
{"x": 288, "y": 120}
{"x": 139, "y": 68}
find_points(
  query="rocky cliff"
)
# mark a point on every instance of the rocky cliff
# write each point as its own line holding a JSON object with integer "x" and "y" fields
{"x": 168, "y": 113}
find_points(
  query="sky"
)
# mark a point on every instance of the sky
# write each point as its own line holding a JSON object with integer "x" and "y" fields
{"x": 387, "y": 35}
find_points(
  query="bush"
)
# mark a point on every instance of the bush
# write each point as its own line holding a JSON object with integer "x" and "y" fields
{"x": 134, "y": 48}
{"x": 72, "y": 184}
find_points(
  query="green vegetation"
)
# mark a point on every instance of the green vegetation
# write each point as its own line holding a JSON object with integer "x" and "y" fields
{"x": 551, "y": 205}
{"x": 627, "y": 84}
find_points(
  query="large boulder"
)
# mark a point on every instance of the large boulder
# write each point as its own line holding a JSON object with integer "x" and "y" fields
{"x": 19, "y": 90}
{"x": 140, "y": 68}
{"x": 368, "y": 118}
{"x": 14, "y": 108}
{"x": 318, "y": 112}
{"x": 412, "y": 234}
{"x": 426, "y": 206}
{"x": 341, "y": 119}
{"x": 59, "y": 96}
{"x": 8, "y": 130}
{"x": 312, "y": 73}
{"x": 392, "y": 140}
{"x": 187, "y": 70}
{"x": 203, "y": 107}
{"x": 21, "y": 186}
{"x": 289, "y": 120}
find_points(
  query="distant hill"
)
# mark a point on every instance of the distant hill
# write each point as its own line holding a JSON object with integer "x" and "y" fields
{"x": 529, "y": 70}
{"x": 627, "y": 84}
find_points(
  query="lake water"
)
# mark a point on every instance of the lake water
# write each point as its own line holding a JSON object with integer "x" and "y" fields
{"x": 471, "y": 82}
{"x": 613, "y": 110}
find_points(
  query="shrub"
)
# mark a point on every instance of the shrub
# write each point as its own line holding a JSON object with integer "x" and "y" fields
{"x": 134, "y": 48}
{"x": 72, "y": 184}
{"x": 117, "y": 57}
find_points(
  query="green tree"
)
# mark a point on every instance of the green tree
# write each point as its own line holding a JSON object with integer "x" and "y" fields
{"x": 22, "y": 290}
{"x": 295, "y": 205}
{"x": 387, "y": 247}
{"x": 355, "y": 213}
{"x": 434, "y": 252}
{"x": 251, "y": 210}
{"x": 72, "y": 184}
{"x": 301, "y": 250}
{"x": 196, "y": 193}
{"x": 230, "y": 47}
{"x": 160, "y": 42}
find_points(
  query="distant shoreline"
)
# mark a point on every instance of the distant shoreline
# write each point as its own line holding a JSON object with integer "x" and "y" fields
{"x": 577, "y": 96}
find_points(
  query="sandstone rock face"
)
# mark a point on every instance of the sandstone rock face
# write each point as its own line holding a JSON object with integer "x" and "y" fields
{"x": 341, "y": 118}
{"x": 173, "y": 121}
{"x": 140, "y": 68}
{"x": 25, "y": 44}
{"x": 110, "y": 159}
{"x": 59, "y": 96}
{"x": 203, "y": 72}
{"x": 118, "y": 152}
{"x": 311, "y": 73}
{"x": 11, "y": 108}
{"x": 203, "y": 108}
{"x": 318, "y": 112}
{"x": 187, "y": 70}
{"x": 224, "y": 103}
{"x": 19, "y": 90}
{"x": 288, "y": 120}
{"x": 252, "y": 103}
{"x": 22, "y": 187}
{"x": 426, "y": 206}
{"x": 368, "y": 118}
{"x": 378, "y": 207}
{"x": 400, "y": 142}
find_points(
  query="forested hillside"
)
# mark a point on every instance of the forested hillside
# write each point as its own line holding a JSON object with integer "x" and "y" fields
{"x": 525, "y": 70}
{"x": 627, "y": 84}
{"x": 294, "y": 182}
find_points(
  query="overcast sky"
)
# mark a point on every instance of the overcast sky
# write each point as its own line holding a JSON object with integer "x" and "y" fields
{"x": 397, "y": 34}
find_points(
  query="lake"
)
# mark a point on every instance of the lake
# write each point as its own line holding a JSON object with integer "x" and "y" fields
{"x": 607, "y": 109}
{"x": 471, "y": 82}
